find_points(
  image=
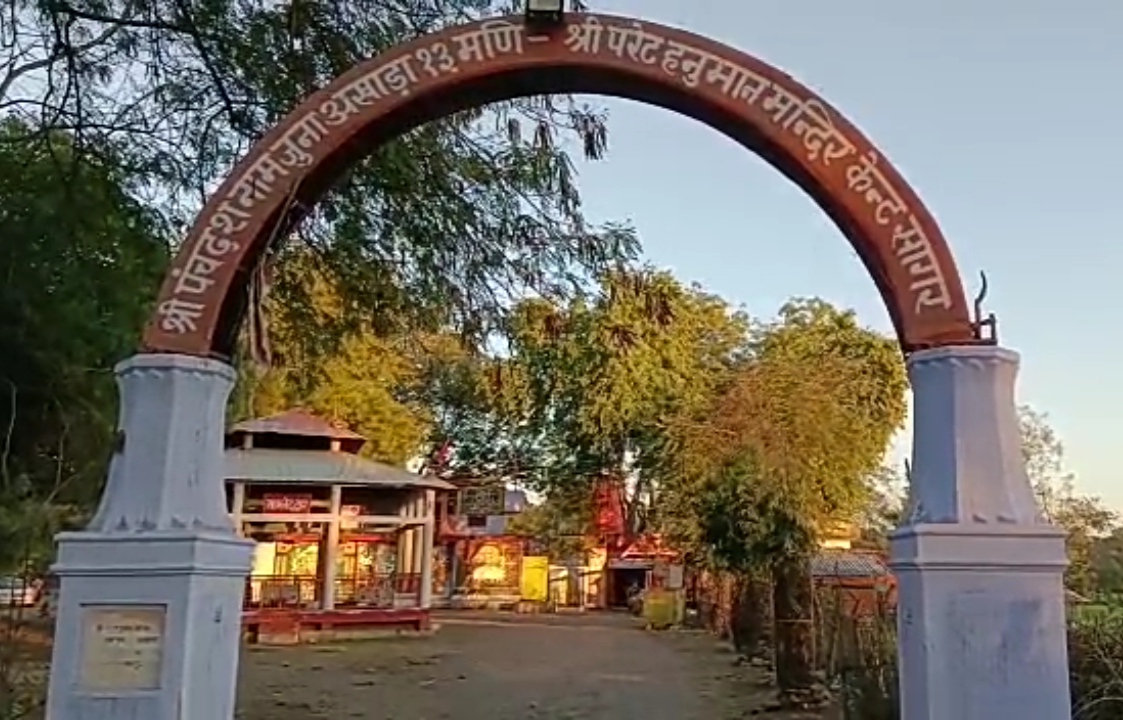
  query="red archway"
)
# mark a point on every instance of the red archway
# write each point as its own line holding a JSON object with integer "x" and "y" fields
{"x": 203, "y": 297}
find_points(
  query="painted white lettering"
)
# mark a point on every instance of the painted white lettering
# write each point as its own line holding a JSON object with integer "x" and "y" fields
{"x": 194, "y": 277}
{"x": 397, "y": 76}
{"x": 735, "y": 81}
{"x": 437, "y": 59}
{"x": 685, "y": 62}
{"x": 585, "y": 37}
{"x": 179, "y": 316}
{"x": 820, "y": 138}
{"x": 784, "y": 106}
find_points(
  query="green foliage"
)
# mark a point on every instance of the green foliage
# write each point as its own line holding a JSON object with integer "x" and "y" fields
{"x": 378, "y": 385}
{"x": 583, "y": 389}
{"x": 789, "y": 444}
{"x": 81, "y": 259}
{"x": 560, "y": 524}
{"x": 1107, "y": 559}
{"x": 440, "y": 228}
{"x": 1086, "y": 520}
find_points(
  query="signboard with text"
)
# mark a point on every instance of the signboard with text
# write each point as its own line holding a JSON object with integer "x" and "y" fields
{"x": 296, "y": 504}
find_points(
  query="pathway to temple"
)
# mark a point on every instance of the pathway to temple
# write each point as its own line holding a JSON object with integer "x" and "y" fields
{"x": 504, "y": 667}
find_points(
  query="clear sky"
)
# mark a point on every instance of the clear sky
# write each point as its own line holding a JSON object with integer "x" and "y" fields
{"x": 1003, "y": 116}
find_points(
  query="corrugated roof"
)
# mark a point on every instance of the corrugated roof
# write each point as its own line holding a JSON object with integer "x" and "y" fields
{"x": 321, "y": 466}
{"x": 844, "y": 564}
{"x": 296, "y": 422}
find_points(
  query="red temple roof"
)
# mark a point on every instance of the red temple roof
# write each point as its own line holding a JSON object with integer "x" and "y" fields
{"x": 300, "y": 424}
{"x": 297, "y": 422}
{"x": 648, "y": 547}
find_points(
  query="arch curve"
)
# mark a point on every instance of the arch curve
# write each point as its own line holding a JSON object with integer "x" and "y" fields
{"x": 202, "y": 299}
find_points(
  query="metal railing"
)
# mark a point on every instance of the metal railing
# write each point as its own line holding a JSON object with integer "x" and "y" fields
{"x": 282, "y": 591}
{"x": 305, "y": 592}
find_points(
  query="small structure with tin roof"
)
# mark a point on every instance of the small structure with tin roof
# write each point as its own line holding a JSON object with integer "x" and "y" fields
{"x": 342, "y": 540}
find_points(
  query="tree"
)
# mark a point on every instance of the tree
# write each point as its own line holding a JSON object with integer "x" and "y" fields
{"x": 560, "y": 524}
{"x": 1107, "y": 559}
{"x": 81, "y": 259}
{"x": 585, "y": 387}
{"x": 783, "y": 451}
{"x": 885, "y": 509}
{"x": 1084, "y": 518}
{"x": 440, "y": 228}
{"x": 377, "y": 384}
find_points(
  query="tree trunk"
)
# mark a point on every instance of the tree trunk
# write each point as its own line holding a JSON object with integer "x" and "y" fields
{"x": 793, "y": 607}
{"x": 750, "y": 613}
{"x": 724, "y": 605}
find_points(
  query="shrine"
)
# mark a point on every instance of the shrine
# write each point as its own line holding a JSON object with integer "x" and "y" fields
{"x": 478, "y": 557}
{"x": 342, "y": 544}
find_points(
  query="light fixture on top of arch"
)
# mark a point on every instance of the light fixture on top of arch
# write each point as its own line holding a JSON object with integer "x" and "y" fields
{"x": 545, "y": 12}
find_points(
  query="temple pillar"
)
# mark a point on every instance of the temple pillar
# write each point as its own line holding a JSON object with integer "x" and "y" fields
{"x": 428, "y": 532}
{"x": 331, "y": 550}
{"x": 981, "y": 613}
{"x": 150, "y": 596}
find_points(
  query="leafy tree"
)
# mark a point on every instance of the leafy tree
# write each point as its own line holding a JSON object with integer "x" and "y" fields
{"x": 783, "y": 451}
{"x": 1084, "y": 518}
{"x": 377, "y": 384}
{"x": 884, "y": 511}
{"x": 560, "y": 524}
{"x": 440, "y": 228}
{"x": 584, "y": 388}
{"x": 80, "y": 258}
{"x": 1107, "y": 559}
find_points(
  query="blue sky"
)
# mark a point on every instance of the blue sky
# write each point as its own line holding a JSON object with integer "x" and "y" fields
{"x": 1002, "y": 114}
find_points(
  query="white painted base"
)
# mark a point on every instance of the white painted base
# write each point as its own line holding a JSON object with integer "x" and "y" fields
{"x": 198, "y": 579}
{"x": 981, "y": 618}
{"x": 162, "y": 543}
{"x": 981, "y": 606}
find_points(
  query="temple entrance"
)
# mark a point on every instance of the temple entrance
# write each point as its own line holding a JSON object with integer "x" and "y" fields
{"x": 977, "y": 569}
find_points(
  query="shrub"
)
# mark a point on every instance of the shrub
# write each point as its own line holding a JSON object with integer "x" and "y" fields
{"x": 1095, "y": 652}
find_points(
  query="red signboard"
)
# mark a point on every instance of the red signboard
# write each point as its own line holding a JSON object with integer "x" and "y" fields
{"x": 288, "y": 503}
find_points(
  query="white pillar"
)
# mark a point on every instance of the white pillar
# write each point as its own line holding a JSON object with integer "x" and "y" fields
{"x": 418, "y": 542}
{"x": 405, "y": 540}
{"x": 150, "y": 602}
{"x": 331, "y": 549}
{"x": 428, "y": 531}
{"x": 238, "y": 501}
{"x": 981, "y": 611}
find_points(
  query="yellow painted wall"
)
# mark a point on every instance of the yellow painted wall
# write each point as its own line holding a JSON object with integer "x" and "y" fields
{"x": 534, "y": 583}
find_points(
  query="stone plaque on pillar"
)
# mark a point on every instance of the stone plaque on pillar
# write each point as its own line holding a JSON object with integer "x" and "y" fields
{"x": 122, "y": 648}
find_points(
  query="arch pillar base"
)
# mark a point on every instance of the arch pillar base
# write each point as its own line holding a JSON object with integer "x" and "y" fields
{"x": 981, "y": 600}
{"x": 150, "y": 597}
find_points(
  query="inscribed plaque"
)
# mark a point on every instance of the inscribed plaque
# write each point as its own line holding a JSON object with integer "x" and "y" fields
{"x": 122, "y": 647}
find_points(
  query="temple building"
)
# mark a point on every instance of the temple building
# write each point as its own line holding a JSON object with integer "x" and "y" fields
{"x": 344, "y": 543}
{"x": 479, "y": 560}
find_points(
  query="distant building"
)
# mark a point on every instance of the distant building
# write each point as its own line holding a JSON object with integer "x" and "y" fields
{"x": 479, "y": 558}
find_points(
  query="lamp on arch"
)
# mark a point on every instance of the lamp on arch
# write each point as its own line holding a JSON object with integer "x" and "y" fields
{"x": 544, "y": 12}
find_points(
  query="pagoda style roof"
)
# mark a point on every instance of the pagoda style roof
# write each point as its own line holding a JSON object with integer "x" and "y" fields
{"x": 321, "y": 467}
{"x": 299, "y": 423}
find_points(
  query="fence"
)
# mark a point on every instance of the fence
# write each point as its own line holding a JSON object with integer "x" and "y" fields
{"x": 305, "y": 591}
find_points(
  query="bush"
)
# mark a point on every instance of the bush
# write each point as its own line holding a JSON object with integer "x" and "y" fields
{"x": 1095, "y": 652}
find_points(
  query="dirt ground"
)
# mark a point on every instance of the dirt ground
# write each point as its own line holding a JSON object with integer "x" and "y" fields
{"x": 507, "y": 667}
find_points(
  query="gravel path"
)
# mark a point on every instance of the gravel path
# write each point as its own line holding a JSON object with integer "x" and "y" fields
{"x": 504, "y": 667}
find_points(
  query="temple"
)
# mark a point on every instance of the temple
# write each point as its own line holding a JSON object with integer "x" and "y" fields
{"x": 479, "y": 559}
{"x": 344, "y": 544}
